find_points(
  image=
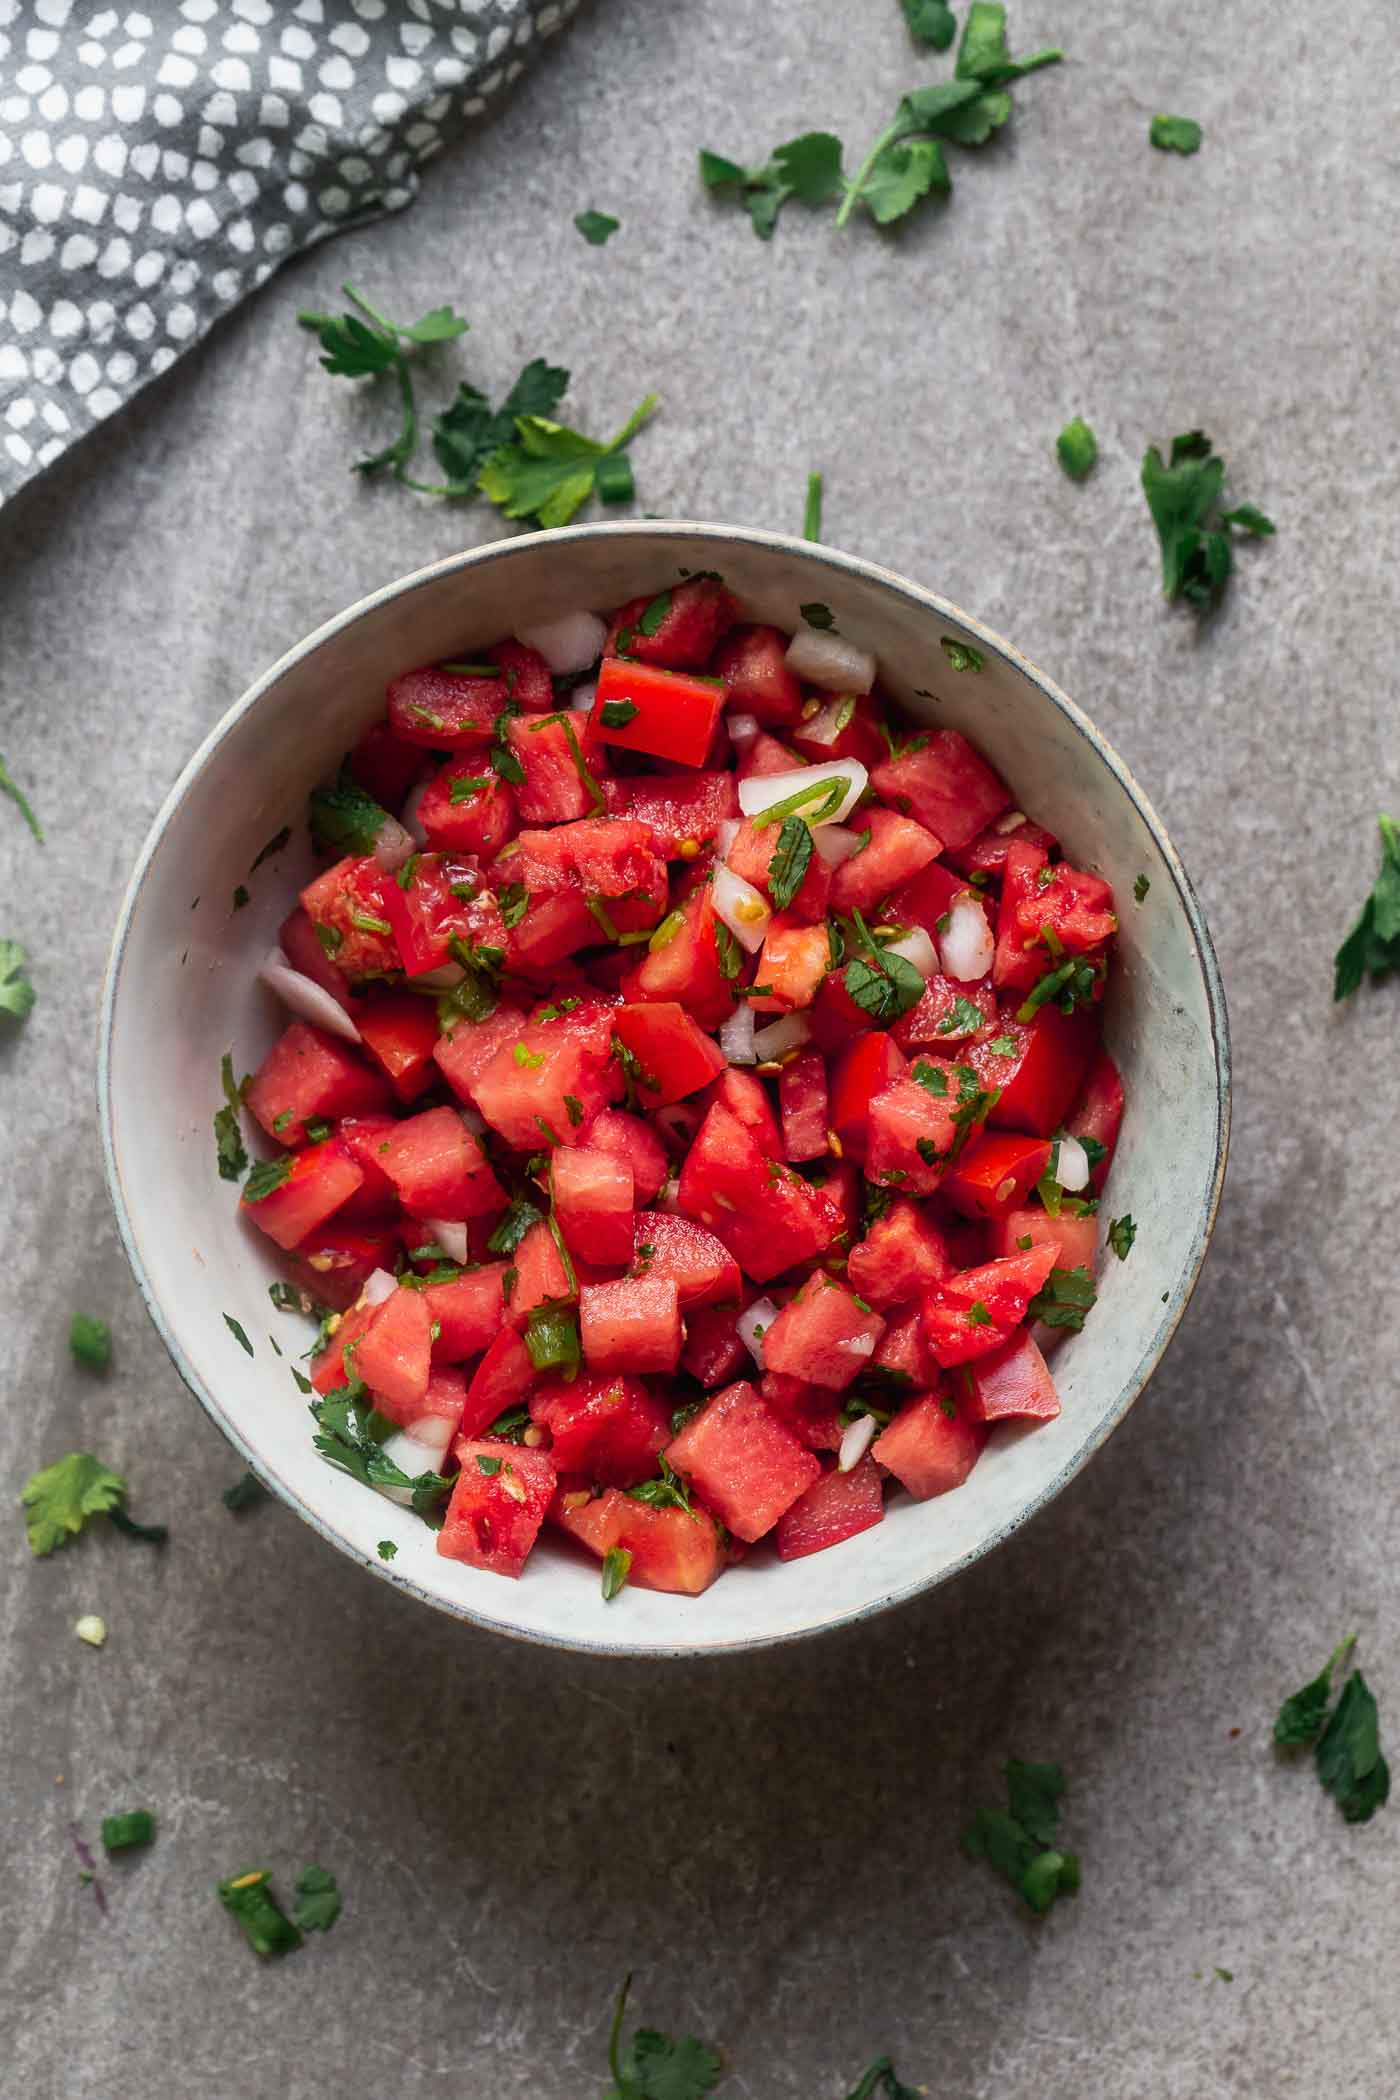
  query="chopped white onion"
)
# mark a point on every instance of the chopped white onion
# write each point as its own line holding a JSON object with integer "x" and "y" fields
{"x": 835, "y": 843}
{"x": 743, "y": 909}
{"x": 762, "y": 791}
{"x": 788, "y": 1032}
{"x": 394, "y": 845}
{"x": 1072, "y": 1166}
{"x": 305, "y": 998}
{"x": 917, "y": 948}
{"x": 743, "y": 730}
{"x": 966, "y": 943}
{"x": 408, "y": 815}
{"x": 418, "y": 1449}
{"x": 827, "y": 660}
{"x": 828, "y": 722}
{"x": 443, "y": 979}
{"x": 726, "y": 831}
{"x": 450, "y": 1236}
{"x": 1012, "y": 821}
{"x": 569, "y": 644}
{"x": 761, "y": 1314}
{"x": 378, "y": 1286}
{"x": 582, "y": 698}
{"x": 736, "y": 1036}
{"x": 855, "y": 1443}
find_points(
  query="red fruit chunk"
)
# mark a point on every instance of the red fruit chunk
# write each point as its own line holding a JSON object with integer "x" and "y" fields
{"x": 540, "y": 1275}
{"x": 685, "y": 969}
{"x": 834, "y": 1508}
{"x": 610, "y": 1429}
{"x": 713, "y": 1351}
{"x": 927, "y": 1449}
{"x": 439, "y": 906}
{"x": 752, "y": 661}
{"x": 671, "y": 1549}
{"x": 298, "y": 941}
{"x": 528, "y": 676}
{"x": 996, "y": 1172}
{"x": 834, "y": 1018}
{"x": 841, "y": 1184}
{"x": 904, "y": 1348}
{"x": 478, "y": 817}
{"x": 794, "y": 961}
{"x": 1015, "y": 1381}
{"x": 824, "y": 1335}
{"x": 676, "y": 1057}
{"x": 751, "y": 858}
{"x": 605, "y": 857}
{"x": 925, "y": 900}
{"x": 309, "y": 1075}
{"x": 400, "y": 1032}
{"x": 675, "y": 807}
{"x": 1076, "y": 906}
{"x": 1040, "y": 1078}
{"x": 977, "y": 1310}
{"x": 903, "y": 1256}
{"x": 768, "y": 1218}
{"x": 873, "y": 1063}
{"x": 911, "y": 1132}
{"x": 593, "y": 1202}
{"x": 742, "y": 1462}
{"x": 685, "y": 623}
{"x": 898, "y": 848}
{"x": 552, "y": 928}
{"x": 319, "y": 1181}
{"x": 1098, "y": 1112}
{"x": 495, "y": 1514}
{"x": 525, "y": 1088}
{"x": 633, "y": 1325}
{"x": 1075, "y": 1240}
{"x": 809, "y": 1411}
{"x": 446, "y": 712}
{"x": 346, "y": 905}
{"x": 502, "y": 1379}
{"x": 439, "y": 1168}
{"x": 986, "y": 854}
{"x": 329, "y": 1369}
{"x": 673, "y": 716}
{"x": 468, "y": 1312}
{"x": 364, "y": 1138}
{"x": 701, "y": 1266}
{"x": 1019, "y": 961}
{"x": 766, "y": 755}
{"x": 334, "y": 1263}
{"x": 746, "y": 1098}
{"x": 938, "y": 1021}
{"x": 384, "y": 766}
{"x": 394, "y": 1355}
{"x": 635, "y": 1143}
{"x": 554, "y": 790}
{"x": 948, "y": 786}
{"x": 802, "y": 1100}
{"x": 859, "y": 736}
{"x": 465, "y": 1053}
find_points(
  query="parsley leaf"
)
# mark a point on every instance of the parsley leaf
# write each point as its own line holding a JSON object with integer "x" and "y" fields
{"x": 963, "y": 1017}
{"x": 597, "y": 227}
{"x": 1372, "y": 948}
{"x": 244, "y": 1494}
{"x": 961, "y": 655}
{"x": 469, "y": 430}
{"x": 807, "y": 168}
{"x": 1303, "y": 1713}
{"x": 880, "y": 2082}
{"x": 134, "y": 1826}
{"x": 667, "y": 1491}
{"x": 1065, "y": 1298}
{"x": 349, "y": 1434}
{"x": 1175, "y": 134}
{"x": 1141, "y": 886}
{"x": 883, "y": 985}
{"x": 11, "y": 787}
{"x": 1121, "y": 1234}
{"x": 791, "y": 858}
{"x": 617, "y": 1566}
{"x": 90, "y": 1342}
{"x": 1348, "y": 1753}
{"x": 548, "y": 470}
{"x": 655, "y": 2066}
{"x": 1184, "y": 496}
{"x": 266, "y": 1926}
{"x": 267, "y": 1175}
{"x": 366, "y": 345}
{"x": 931, "y": 22}
{"x": 1077, "y": 447}
{"x": 60, "y": 1499}
{"x": 344, "y": 819}
{"x": 320, "y": 1900}
{"x": 17, "y": 994}
{"x": 1020, "y": 1841}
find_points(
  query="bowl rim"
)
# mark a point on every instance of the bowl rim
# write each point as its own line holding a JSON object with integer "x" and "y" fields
{"x": 657, "y": 533}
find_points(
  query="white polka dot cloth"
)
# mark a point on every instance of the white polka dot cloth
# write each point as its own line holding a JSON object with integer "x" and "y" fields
{"x": 155, "y": 167}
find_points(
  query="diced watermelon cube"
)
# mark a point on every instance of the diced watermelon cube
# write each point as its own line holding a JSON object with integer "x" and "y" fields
{"x": 468, "y": 1312}
{"x": 318, "y": 1181}
{"x": 824, "y": 1335}
{"x": 996, "y": 1172}
{"x": 700, "y": 1265}
{"x": 713, "y": 1352}
{"x": 553, "y": 927}
{"x": 364, "y": 1138}
{"x": 978, "y": 1309}
{"x": 834, "y": 1508}
{"x": 609, "y": 1428}
{"x": 1098, "y": 1112}
{"x": 744, "y": 1464}
{"x": 1019, "y": 960}
{"x": 904, "y": 1351}
{"x": 400, "y": 1032}
{"x": 1014, "y": 1382}
{"x": 672, "y": 1549}
{"x": 871, "y": 1064}
{"x": 540, "y": 1275}
{"x": 385, "y": 766}
{"x": 444, "y": 711}
{"x": 309, "y": 1075}
{"x": 809, "y": 1411}
{"x": 802, "y": 1100}
{"x": 1075, "y": 1240}
{"x": 792, "y": 964}
{"x": 767, "y": 1216}
{"x": 394, "y": 1354}
{"x": 678, "y": 809}
{"x": 464, "y": 1053}
{"x": 911, "y": 1132}
{"x": 346, "y": 907}
{"x": 925, "y": 900}
{"x": 676, "y": 1057}
{"x": 687, "y": 620}
{"x": 685, "y": 969}
{"x": 765, "y": 756}
{"x": 986, "y": 854}
{"x": 896, "y": 850}
{"x": 300, "y": 943}
{"x": 1040, "y": 1078}
{"x": 328, "y": 1367}
{"x": 628, "y": 1139}
{"x": 554, "y": 790}
{"x": 940, "y": 1020}
{"x": 440, "y": 1169}
{"x": 442, "y": 903}
{"x": 501, "y": 1380}
{"x": 633, "y": 1325}
{"x": 902, "y": 1257}
{"x": 498, "y": 1505}
{"x": 528, "y": 675}
{"x": 752, "y": 661}
{"x": 333, "y": 1263}
{"x": 593, "y": 1202}
{"x": 929, "y": 1447}
{"x": 525, "y": 1088}
{"x": 746, "y": 1098}
{"x": 946, "y": 785}
{"x": 466, "y": 808}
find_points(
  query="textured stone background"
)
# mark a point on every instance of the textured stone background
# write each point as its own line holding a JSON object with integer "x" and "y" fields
{"x": 771, "y": 1842}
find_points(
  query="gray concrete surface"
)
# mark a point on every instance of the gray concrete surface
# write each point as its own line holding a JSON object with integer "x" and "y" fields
{"x": 771, "y": 1842}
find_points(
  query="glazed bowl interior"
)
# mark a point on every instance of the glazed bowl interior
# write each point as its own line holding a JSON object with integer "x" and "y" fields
{"x": 182, "y": 990}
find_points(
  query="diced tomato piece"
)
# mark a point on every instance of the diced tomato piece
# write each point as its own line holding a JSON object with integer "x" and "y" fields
{"x": 896, "y": 851}
{"x": 904, "y": 1351}
{"x": 328, "y": 1368}
{"x": 1015, "y": 1381}
{"x": 463, "y": 1055}
{"x": 940, "y": 1019}
{"x": 553, "y": 927}
{"x": 529, "y": 1081}
{"x": 635, "y": 1143}
{"x": 1075, "y": 1240}
{"x": 752, "y": 661}
{"x": 701, "y": 1266}
{"x": 300, "y": 943}
{"x": 682, "y": 627}
{"x": 346, "y": 906}
{"x": 685, "y": 969}
{"x": 834, "y": 1508}
{"x": 1075, "y": 905}
{"x": 443, "y": 710}
{"x": 929, "y": 1447}
{"x": 439, "y": 905}
{"x": 364, "y": 1138}
{"x": 746, "y": 1098}
{"x": 394, "y": 1354}
{"x": 794, "y": 960}
{"x": 468, "y": 1312}
{"x": 674, "y": 715}
{"x": 672, "y": 1549}
{"x": 802, "y": 1099}
{"x": 767, "y": 1216}
{"x": 334, "y": 1263}
{"x": 498, "y": 1505}
{"x": 309, "y": 1075}
{"x": 1040, "y": 1078}
{"x": 528, "y": 677}
{"x": 809, "y": 1411}
{"x": 676, "y": 1057}
{"x": 1097, "y": 1114}
{"x": 824, "y": 1335}
{"x": 1019, "y": 960}
{"x": 466, "y": 808}
{"x": 400, "y": 1032}
{"x": 946, "y": 784}
{"x": 978, "y": 1309}
{"x": 593, "y": 1202}
{"x": 554, "y": 790}
{"x": 633, "y": 1325}
{"x": 911, "y": 1132}
{"x": 751, "y": 857}
{"x": 540, "y": 1275}
{"x": 713, "y": 1351}
{"x": 501, "y": 1380}
{"x": 925, "y": 900}
{"x": 873, "y": 1063}
{"x": 834, "y": 1017}
{"x": 903, "y": 1256}
{"x": 986, "y": 854}
{"x": 677, "y": 808}
{"x": 744, "y": 1464}
{"x": 996, "y": 1172}
{"x": 611, "y": 1429}
{"x": 440, "y": 1169}
{"x": 384, "y": 766}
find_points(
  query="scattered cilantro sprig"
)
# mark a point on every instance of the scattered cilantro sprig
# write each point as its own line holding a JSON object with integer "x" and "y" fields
{"x": 61, "y": 1499}
{"x": 1372, "y": 948}
{"x": 1175, "y": 134}
{"x": 1345, "y": 1742}
{"x": 597, "y": 227}
{"x": 17, "y": 994}
{"x": 1020, "y": 1840}
{"x": 11, "y": 787}
{"x": 1077, "y": 448}
{"x": 807, "y": 168}
{"x": 1184, "y": 496}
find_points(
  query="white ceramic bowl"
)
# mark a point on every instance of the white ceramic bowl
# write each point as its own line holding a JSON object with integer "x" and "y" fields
{"x": 181, "y": 991}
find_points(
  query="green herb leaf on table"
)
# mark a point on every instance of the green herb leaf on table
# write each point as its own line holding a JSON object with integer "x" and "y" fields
{"x": 1121, "y": 1234}
{"x": 1077, "y": 448}
{"x": 62, "y": 1497}
{"x": 549, "y": 470}
{"x": 126, "y": 1831}
{"x": 879, "y": 2081}
{"x": 1184, "y": 496}
{"x": 245, "y": 1492}
{"x": 1020, "y": 1841}
{"x": 1372, "y": 948}
{"x": 654, "y": 2066}
{"x": 1348, "y": 1754}
{"x": 807, "y": 168}
{"x": 17, "y": 994}
{"x": 11, "y": 787}
{"x": 90, "y": 1342}
{"x": 931, "y": 22}
{"x": 469, "y": 430}
{"x": 1303, "y": 1714}
{"x": 1065, "y": 1299}
{"x": 265, "y": 1925}
{"x": 617, "y": 1566}
{"x": 597, "y": 227}
{"x": 812, "y": 513}
{"x": 320, "y": 1900}
{"x": 1175, "y": 134}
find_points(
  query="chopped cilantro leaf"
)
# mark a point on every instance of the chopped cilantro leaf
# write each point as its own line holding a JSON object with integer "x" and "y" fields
{"x": 1077, "y": 447}
{"x": 548, "y": 470}
{"x": 963, "y": 1018}
{"x": 818, "y": 615}
{"x": 961, "y": 655}
{"x": 667, "y": 1491}
{"x": 90, "y": 1342}
{"x": 931, "y": 22}
{"x": 617, "y": 1566}
{"x": 239, "y": 1333}
{"x": 17, "y": 994}
{"x": 791, "y": 858}
{"x": 616, "y": 714}
{"x": 387, "y": 1549}
{"x": 1065, "y": 1298}
{"x": 514, "y": 901}
{"x": 1121, "y": 1234}
{"x": 1372, "y": 948}
{"x": 1175, "y": 134}
{"x": 320, "y": 1898}
{"x": 575, "y": 1109}
{"x": 60, "y": 1499}
{"x": 469, "y": 430}
{"x": 510, "y": 1425}
{"x": 274, "y": 845}
{"x": 267, "y": 1175}
{"x": 240, "y": 897}
{"x": 1020, "y": 1840}
{"x": 1348, "y": 1754}
{"x": 653, "y": 2066}
{"x": 246, "y": 1491}
{"x": 597, "y": 227}
{"x": 121, "y": 1833}
{"x": 1068, "y": 985}
{"x": 807, "y": 168}
{"x": 1140, "y": 888}
{"x": 1003, "y": 1046}
{"x": 265, "y": 1925}
{"x": 1304, "y": 1712}
{"x": 349, "y": 1434}
{"x": 489, "y": 1466}
{"x": 519, "y": 1215}
{"x": 1184, "y": 497}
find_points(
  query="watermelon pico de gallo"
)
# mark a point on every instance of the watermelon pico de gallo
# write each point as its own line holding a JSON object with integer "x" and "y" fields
{"x": 694, "y": 1114}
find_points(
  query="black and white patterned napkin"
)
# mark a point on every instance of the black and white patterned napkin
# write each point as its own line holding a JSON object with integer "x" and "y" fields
{"x": 158, "y": 162}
